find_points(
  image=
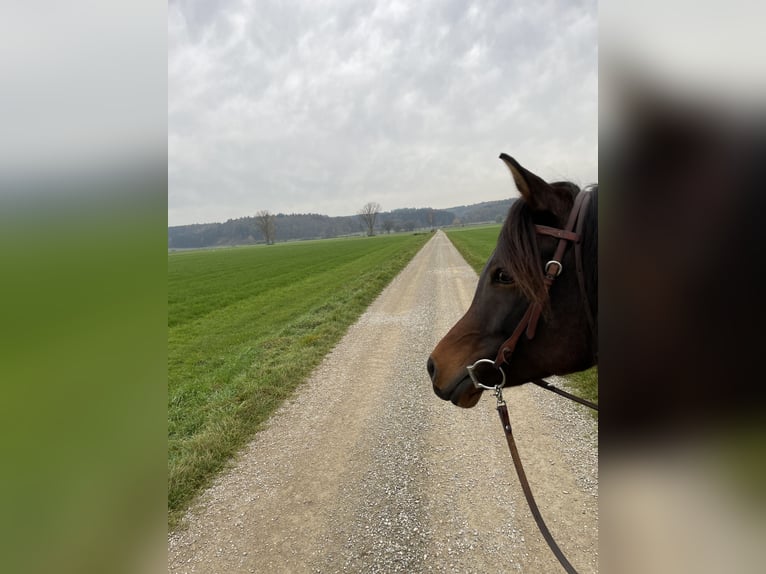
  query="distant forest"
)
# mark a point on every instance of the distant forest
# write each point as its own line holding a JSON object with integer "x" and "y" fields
{"x": 295, "y": 226}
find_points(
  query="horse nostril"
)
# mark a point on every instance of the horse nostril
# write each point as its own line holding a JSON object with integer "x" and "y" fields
{"x": 431, "y": 368}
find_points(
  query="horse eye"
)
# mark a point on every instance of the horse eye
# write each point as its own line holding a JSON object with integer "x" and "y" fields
{"x": 502, "y": 276}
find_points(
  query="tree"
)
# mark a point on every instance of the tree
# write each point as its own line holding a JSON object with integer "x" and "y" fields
{"x": 368, "y": 214}
{"x": 388, "y": 225}
{"x": 265, "y": 222}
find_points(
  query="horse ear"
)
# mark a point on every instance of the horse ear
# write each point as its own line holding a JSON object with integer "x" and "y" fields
{"x": 539, "y": 195}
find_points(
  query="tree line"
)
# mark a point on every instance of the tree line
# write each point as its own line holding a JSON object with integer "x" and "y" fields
{"x": 265, "y": 227}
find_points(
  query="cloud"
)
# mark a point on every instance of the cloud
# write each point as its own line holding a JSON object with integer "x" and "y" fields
{"x": 323, "y": 106}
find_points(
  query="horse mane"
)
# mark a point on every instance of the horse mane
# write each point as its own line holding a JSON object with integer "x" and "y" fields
{"x": 518, "y": 253}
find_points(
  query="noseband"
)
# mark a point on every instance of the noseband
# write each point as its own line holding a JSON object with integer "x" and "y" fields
{"x": 572, "y": 233}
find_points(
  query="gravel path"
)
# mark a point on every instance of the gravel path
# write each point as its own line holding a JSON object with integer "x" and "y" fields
{"x": 366, "y": 470}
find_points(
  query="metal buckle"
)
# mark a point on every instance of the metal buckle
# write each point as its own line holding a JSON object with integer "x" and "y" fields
{"x": 477, "y": 383}
{"x": 553, "y": 261}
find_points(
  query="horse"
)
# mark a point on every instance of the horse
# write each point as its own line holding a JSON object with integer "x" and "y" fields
{"x": 517, "y": 287}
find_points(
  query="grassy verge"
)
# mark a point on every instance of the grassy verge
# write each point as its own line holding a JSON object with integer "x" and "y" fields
{"x": 476, "y": 246}
{"x": 585, "y": 384}
{"x": 245, "y": 327}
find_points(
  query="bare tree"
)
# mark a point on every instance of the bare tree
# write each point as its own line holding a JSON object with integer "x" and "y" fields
{"x": 369, "y": 213}
{"x": 265, "y": 222}
{"x": 388, "y": 225}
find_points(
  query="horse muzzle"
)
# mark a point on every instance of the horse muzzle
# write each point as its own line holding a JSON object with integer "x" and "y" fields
{"x": 461, "y": 391}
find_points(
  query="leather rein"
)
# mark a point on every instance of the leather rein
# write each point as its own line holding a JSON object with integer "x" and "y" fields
{"x": 572, "y": 233}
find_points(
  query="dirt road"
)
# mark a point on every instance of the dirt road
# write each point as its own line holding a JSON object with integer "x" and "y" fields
{"x": 366, "y": 470}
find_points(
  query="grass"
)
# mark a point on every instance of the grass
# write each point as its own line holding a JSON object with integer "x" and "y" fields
{"x": 245, "y": 327}
{"x": 585, "y": 384}
{"x": 476, "y": 245}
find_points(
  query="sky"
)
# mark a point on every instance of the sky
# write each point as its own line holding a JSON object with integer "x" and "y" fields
{"x": 320, "y": 106}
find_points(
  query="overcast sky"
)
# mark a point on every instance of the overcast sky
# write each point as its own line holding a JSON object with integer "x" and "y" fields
{"x": 323, "y": 105}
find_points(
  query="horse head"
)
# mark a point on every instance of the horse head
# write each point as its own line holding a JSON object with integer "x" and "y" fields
{"x": 513, "y": 282}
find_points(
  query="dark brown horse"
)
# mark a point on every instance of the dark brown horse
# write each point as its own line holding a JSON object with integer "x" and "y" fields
{"x": 513, "y": 280}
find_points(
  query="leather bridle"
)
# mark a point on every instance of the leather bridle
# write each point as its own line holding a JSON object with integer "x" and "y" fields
{"x": 572, "y": 233}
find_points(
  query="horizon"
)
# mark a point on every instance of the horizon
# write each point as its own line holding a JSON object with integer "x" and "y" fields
{"x": 446, "y": 209}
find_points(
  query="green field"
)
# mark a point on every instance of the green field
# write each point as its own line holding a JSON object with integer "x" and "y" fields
{"x": 476, "y": 246}
{"x": 246, "y": 326}
{"x": 475, "y": 243}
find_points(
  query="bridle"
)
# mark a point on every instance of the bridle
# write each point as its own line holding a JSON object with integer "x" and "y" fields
{"x": 572, "y": 233}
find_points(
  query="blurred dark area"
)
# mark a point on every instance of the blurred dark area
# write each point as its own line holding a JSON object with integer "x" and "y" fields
{"x": 681, "y": 268}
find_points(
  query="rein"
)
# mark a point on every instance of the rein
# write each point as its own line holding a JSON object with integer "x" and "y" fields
{"x": 571, "y": 233}
{"x": 549, "y": 387}
{"x": 502, "y": 410}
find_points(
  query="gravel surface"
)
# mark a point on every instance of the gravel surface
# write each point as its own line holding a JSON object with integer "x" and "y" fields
{"x": 366, "y": 470}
